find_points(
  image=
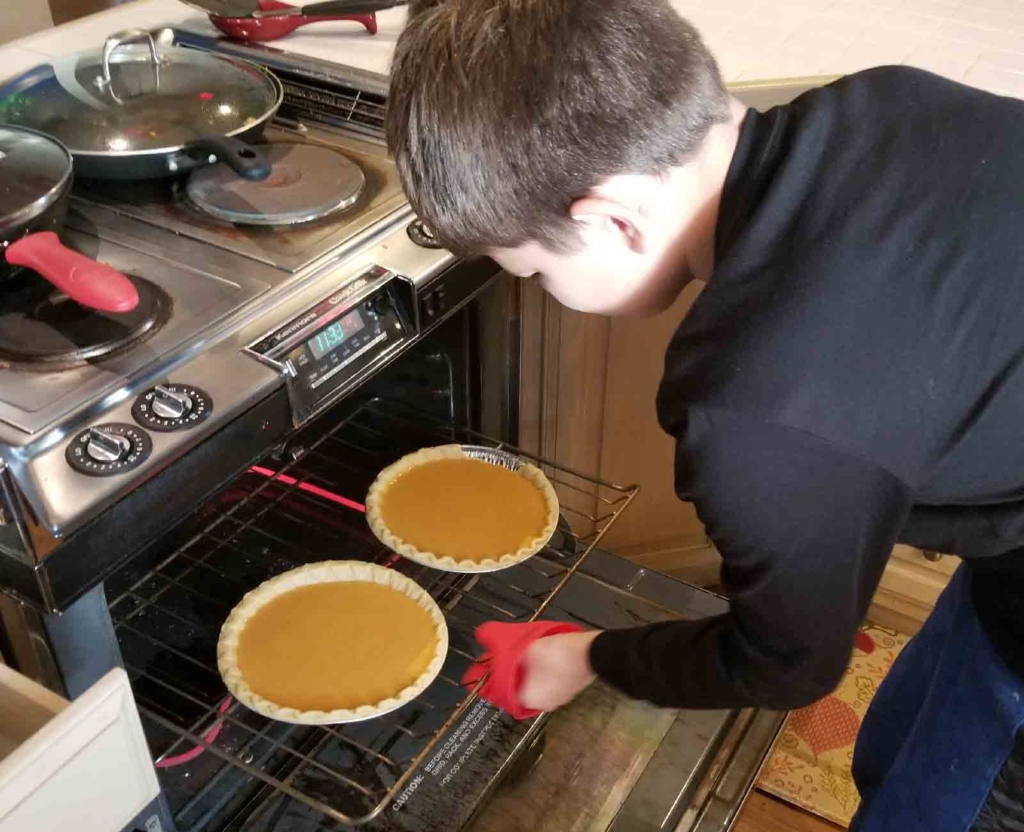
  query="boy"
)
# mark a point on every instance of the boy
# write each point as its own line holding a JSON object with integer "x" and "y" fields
{"x": 851, "y": 376}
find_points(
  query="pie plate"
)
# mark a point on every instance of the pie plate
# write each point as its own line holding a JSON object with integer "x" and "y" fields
{"x": 309, "y": 575}
{"x": 446, "y": 563}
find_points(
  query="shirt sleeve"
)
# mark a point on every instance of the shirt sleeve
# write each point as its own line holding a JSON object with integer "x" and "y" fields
{"x": 805, "y": 530}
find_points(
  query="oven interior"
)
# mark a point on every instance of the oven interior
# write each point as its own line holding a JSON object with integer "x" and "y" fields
{"x": 223, "y": 767}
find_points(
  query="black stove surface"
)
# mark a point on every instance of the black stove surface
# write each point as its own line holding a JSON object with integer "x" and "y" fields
{"x": 43, "y": 329}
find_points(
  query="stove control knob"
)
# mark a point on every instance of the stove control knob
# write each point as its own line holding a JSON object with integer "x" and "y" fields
{"x": 169, "y": 404}
{"x": 112, "y": 448}
{"x": 105, "y": 447}
{"x": 169, "y": 407}
{"x": 422, "y": 235}
{"x": 380, "y": 305}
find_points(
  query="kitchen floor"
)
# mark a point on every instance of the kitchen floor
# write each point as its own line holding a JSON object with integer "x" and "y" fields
{"x": 764, "y": 813}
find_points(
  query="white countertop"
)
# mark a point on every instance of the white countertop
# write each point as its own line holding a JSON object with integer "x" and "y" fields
{"x": 980, "y": 42}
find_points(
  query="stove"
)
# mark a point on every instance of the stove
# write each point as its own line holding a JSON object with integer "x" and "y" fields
{"x": 221, "y": 264}
{"x": 291, "y": 341}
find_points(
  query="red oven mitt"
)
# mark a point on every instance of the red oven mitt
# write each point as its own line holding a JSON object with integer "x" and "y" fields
{"x": 505, "y": 646}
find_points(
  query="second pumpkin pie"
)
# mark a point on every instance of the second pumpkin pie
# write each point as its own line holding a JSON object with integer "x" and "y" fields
{"x": 448, "y": 508}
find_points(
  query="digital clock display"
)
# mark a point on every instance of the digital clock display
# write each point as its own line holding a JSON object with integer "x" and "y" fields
{"x": 335, "y": 335}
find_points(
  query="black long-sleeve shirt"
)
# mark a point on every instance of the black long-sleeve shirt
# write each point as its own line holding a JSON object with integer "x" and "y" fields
{"x": 852, "y": 376}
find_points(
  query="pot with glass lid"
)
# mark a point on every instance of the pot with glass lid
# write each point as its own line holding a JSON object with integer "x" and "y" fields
{"x": 139, "y": 109}
{"x": 35, "y": 188}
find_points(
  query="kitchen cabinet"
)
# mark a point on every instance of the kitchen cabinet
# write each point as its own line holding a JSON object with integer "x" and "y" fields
{"x": 588, "y": 390}
{"x": 910, "y": 586}
{"x": 81, "y": 765}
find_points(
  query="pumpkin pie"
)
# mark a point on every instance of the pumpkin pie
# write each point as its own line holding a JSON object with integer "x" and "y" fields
{"x": 331, "y": 642}
{"x": 462, "y": 508}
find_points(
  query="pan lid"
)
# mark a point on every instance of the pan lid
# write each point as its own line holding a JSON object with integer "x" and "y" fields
{"x": 308, "y": 183}
{"x": 130, "y": 97}
{"x": 34, "y": 173}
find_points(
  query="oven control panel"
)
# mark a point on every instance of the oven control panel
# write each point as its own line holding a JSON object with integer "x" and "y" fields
{"x": 329, "y": 347}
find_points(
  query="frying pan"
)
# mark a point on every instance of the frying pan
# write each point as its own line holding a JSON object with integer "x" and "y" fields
{"x": 135, "y": 111}
{"x": 254, "y": 8}
{"x": 253, "y": 29}
{"x": 35, "y": 188}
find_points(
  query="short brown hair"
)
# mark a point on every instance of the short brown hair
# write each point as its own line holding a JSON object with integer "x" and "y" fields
{"x": 503, "y": 112}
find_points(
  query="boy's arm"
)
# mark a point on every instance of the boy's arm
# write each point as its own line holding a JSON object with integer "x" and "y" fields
{"x": 805, "y": 530}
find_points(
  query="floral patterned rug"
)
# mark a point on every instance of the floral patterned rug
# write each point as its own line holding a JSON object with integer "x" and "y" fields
{"x": 810, "y": 765}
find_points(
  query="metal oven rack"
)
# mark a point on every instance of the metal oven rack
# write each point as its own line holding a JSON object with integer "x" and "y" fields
{"x": 168, "y": 605}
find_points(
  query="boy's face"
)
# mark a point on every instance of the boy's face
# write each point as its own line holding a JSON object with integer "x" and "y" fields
{"x": 608, "y": 273}
{"x": 635, "y": 241}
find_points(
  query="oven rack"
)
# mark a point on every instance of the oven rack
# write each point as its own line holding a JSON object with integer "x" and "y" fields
{"x": 300, "y": 507}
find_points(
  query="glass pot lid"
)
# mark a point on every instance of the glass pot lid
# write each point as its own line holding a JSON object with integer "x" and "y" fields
{"x": 35, "y": 171}
{"x": 307, "y": 183}
{"x": 131, "y": 97}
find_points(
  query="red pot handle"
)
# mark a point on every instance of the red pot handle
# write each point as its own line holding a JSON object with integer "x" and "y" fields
{"x": 81, "y": 278}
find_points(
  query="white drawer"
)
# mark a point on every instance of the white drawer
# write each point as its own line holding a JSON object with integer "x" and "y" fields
{"x": 81, "y": 765}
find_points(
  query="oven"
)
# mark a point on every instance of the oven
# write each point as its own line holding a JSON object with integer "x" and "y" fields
{"x": 447, "y": 761}
{"x": 191, "y": 469}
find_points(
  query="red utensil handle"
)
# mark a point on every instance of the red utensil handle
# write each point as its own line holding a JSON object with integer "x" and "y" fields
{"x": 81, "y": 278}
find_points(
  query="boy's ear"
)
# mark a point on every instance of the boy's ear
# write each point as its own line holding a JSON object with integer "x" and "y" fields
{"x": 602, "y": 215}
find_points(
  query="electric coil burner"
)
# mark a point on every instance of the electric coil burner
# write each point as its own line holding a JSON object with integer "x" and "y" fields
{"x": 43, "y": 329}
{"x": 307, "y": 183}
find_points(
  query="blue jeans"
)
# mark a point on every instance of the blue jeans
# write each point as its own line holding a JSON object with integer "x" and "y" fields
{"x": 940, "y": 727}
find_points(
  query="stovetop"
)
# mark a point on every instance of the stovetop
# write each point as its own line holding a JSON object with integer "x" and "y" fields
{"x": 212, "y": 270}
{"x": 33, "y": 400}
{"x": 289, "y": 249}
{"x": 229, "y": 286}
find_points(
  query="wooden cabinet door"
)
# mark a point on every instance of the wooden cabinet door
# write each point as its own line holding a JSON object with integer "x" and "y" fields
{"x": 588, "y": 387}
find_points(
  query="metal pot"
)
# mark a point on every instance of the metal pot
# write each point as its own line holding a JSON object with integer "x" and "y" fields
{"x": 35, "y": 188}
{"x": 142, "y": 111}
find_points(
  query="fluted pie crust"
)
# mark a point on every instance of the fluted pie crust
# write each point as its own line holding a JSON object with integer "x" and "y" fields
{"x": 532, "y": 542}
{"x": 323, "y": 573}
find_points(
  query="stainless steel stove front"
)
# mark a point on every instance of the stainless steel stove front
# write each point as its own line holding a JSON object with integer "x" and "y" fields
{"x": 34, "y": 401}
{"x": 79, "y": 451}
{"x": 62, "y": 500}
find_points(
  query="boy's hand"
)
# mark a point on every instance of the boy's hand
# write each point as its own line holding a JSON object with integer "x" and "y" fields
{"x": 556, "y": 670}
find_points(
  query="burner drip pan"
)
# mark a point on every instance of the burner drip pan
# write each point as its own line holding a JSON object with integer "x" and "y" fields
{"x": 43, "y": 329}
{"x": 307, "y": 183}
